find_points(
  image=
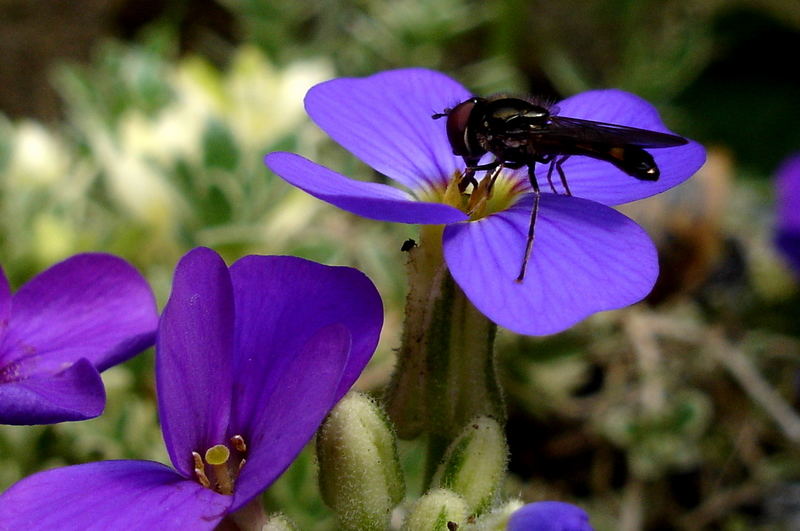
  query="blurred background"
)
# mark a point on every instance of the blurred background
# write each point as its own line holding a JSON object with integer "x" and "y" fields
{"x": 139, "y": 127}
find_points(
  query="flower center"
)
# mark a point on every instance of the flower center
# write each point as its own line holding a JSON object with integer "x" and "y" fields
{"x": 495, "y": 192}
{"x": 24, "y": 363}
{"x": 10, "y": 373}
{"x": 220, "y": 466}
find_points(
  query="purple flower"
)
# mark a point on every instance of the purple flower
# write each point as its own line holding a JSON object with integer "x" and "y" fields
{"x": 787, "y": 231}
{"x": 549, "y": 516}
{"x": 80, "y": 317}
{"x": 249, "y": 360}
{"x": 587, "y": 257}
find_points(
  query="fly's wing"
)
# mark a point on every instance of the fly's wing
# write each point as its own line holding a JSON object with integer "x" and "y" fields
{"x": 577, "y": 130}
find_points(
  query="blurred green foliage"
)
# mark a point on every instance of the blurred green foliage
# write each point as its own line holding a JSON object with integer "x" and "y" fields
{"x": 639, "y": 415}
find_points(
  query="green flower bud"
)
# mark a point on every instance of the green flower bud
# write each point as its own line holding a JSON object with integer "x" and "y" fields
{"x": 475, "y": 464}
{"x": 359, "y": 471}
{"x": 438, "y": 510}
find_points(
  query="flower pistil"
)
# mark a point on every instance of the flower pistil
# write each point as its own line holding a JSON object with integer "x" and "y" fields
{"x": 220, "y": 466}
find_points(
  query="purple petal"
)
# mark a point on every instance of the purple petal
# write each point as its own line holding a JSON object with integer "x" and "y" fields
{"x": 370, "y": 200}
{"x": 290, "y": 409}
{"x": 385, "y": 120}
{"x": 296, "y": 323}
{"x": 586, "y": 258}
{"x": 75, "y": 393}
{"x": 549, "y": 516}
{"x": 788, "y": 194}
{"x": 602, "y": 182}
{"x": 281, "y": 303}
{"x": 111, "y": 495}
{"x": 92, "y": 306}
{"x": 194, "y": 355}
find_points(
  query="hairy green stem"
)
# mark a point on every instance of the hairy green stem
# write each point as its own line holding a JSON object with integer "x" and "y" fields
{"x": 445, "y": 375}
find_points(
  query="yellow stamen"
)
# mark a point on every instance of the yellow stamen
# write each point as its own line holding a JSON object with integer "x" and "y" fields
{"x": 238, "y": 443}
{"x": 200, "y": 470}
{"x": 221, "y": 464}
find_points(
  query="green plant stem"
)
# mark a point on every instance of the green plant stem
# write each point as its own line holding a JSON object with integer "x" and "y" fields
{"x": 445, "y": 375}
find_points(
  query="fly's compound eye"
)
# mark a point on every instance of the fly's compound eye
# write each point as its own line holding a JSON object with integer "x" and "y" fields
{"x": 458, "y": 128}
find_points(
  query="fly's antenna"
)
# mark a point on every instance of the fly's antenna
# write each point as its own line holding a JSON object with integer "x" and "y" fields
{"x": 442, "y": 114}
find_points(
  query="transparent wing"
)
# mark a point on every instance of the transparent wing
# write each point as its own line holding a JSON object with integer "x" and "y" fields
{"x": 578, "y": 130}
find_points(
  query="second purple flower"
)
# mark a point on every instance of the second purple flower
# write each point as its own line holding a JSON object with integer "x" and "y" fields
{"x": 249, "y": 360}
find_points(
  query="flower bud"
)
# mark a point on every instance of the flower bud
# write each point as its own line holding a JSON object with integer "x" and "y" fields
{"x": 475, "y": 463}
{"x": 359, "y": 470}
{"x": 438, "y": 510}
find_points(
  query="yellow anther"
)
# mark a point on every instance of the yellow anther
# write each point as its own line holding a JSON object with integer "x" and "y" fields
{"x": 238, "y": 442}
{"x": 198, "y": 461}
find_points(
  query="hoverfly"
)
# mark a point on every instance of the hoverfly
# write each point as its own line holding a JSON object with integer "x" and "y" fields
{"x": 522, "y": 133}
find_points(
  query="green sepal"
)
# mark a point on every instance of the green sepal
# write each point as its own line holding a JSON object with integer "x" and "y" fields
{"x": 474, "y": 464}
{"x": 438, "y": 510}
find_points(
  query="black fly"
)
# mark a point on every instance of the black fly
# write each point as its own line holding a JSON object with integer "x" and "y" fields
{"x": 521, "y": 133}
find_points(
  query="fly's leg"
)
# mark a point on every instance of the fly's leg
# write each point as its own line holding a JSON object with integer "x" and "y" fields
{"x": 492, "y": 178}
{"x": 466, "y": 179}
{"x": 532, "y": 227}
{"x": 550, "y": 175}
{"x": 490, "y": 166}
{"x": 483, "y": 191}
{"x": 557, "y": 163}
{"x": 469, "y": 175}
{"x": 496, "y": 174}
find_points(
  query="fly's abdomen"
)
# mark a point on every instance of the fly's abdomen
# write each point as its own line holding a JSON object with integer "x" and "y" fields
{"x": 633, "y": 160}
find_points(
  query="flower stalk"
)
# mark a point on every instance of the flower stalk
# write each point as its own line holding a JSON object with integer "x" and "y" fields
{"x": 406, "y": 402}
{"x": 250, "y": 517}
{"x": 446, "y": 372}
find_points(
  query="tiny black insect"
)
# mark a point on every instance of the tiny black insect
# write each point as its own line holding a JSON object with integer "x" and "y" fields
{"x": 408, "y": 245}
{"x": 521, "y": 133}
